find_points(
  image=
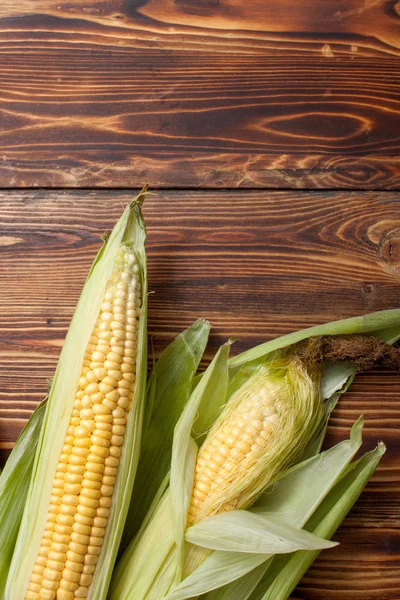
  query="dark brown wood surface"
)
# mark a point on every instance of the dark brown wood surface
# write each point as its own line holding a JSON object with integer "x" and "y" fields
{"x": 200, "y": 93}
{"x": 256, "y": 263}
{"x": 190, "y": 96}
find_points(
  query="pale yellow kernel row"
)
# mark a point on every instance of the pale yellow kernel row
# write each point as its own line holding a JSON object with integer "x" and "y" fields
{"x": 244, "y": 435}
{"x": 86, "y": 473}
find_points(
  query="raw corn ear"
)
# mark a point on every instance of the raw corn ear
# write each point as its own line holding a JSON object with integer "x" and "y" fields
{"x": 14, "y": 484}
{"x": 299, "y": 399}
{"x": 291, "y": 500}
{"x": 88, "y": 451}
{"x": 256, "y": 437}
{"x": 279, "y": 393}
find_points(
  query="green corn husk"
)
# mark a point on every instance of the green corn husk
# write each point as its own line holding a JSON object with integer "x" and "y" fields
{"x": 129, "y": 231}
{"x": 291, "y": 501}
{"x": 143, "y": 572}
{"x": 14, "y": 484}
{"x": 169, "y": 388}
{"x": 286, "y": 572}
{"x": 225, "y": 557}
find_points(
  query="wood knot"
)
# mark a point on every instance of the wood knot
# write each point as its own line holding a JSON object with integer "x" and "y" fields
{"x": 389, "y": 249}
{"x": 368, "y": 288}
{"x": 326, "y": 50}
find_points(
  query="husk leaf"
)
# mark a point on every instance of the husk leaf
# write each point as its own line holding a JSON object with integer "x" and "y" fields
{"x": 293, "y": 498}
{"x": 170, "y": 387}
{"x": 243, "y": 531}
{"x": 219, "y": 569}
{"x": 288, "y": 571}
{"x": 14, "y": 484}
{"x": 213, "y": 385}
{"x": 142, "y": 562}
{"x": 133, "y": 578}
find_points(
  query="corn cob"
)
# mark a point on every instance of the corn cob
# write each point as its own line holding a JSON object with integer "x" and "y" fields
{"x": 83, "y": 486}
{"x": 75, "y": 521}
{"x": 257, "y": 435}
{"x": 266, "y": 424}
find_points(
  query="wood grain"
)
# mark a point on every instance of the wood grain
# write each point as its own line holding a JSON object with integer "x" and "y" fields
{"x": 200, "y": 93}
{"x": 257, "y": 265}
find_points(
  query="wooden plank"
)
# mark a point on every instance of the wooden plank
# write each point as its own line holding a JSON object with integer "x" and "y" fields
{"x": 257, "y": 265}
{"x": 201, "y": 94}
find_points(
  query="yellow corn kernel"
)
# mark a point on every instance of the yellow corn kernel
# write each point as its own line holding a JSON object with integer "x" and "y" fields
{"x": 82, "y": 491}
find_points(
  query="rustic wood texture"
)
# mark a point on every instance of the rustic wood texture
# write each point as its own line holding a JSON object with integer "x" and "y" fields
{"x": 211, "y": 94}
{"x": 257, "y": 264}
{"x": 200, "y": 93}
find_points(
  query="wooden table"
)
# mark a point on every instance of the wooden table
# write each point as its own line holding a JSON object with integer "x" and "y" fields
{"x": 269, "y": 133}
